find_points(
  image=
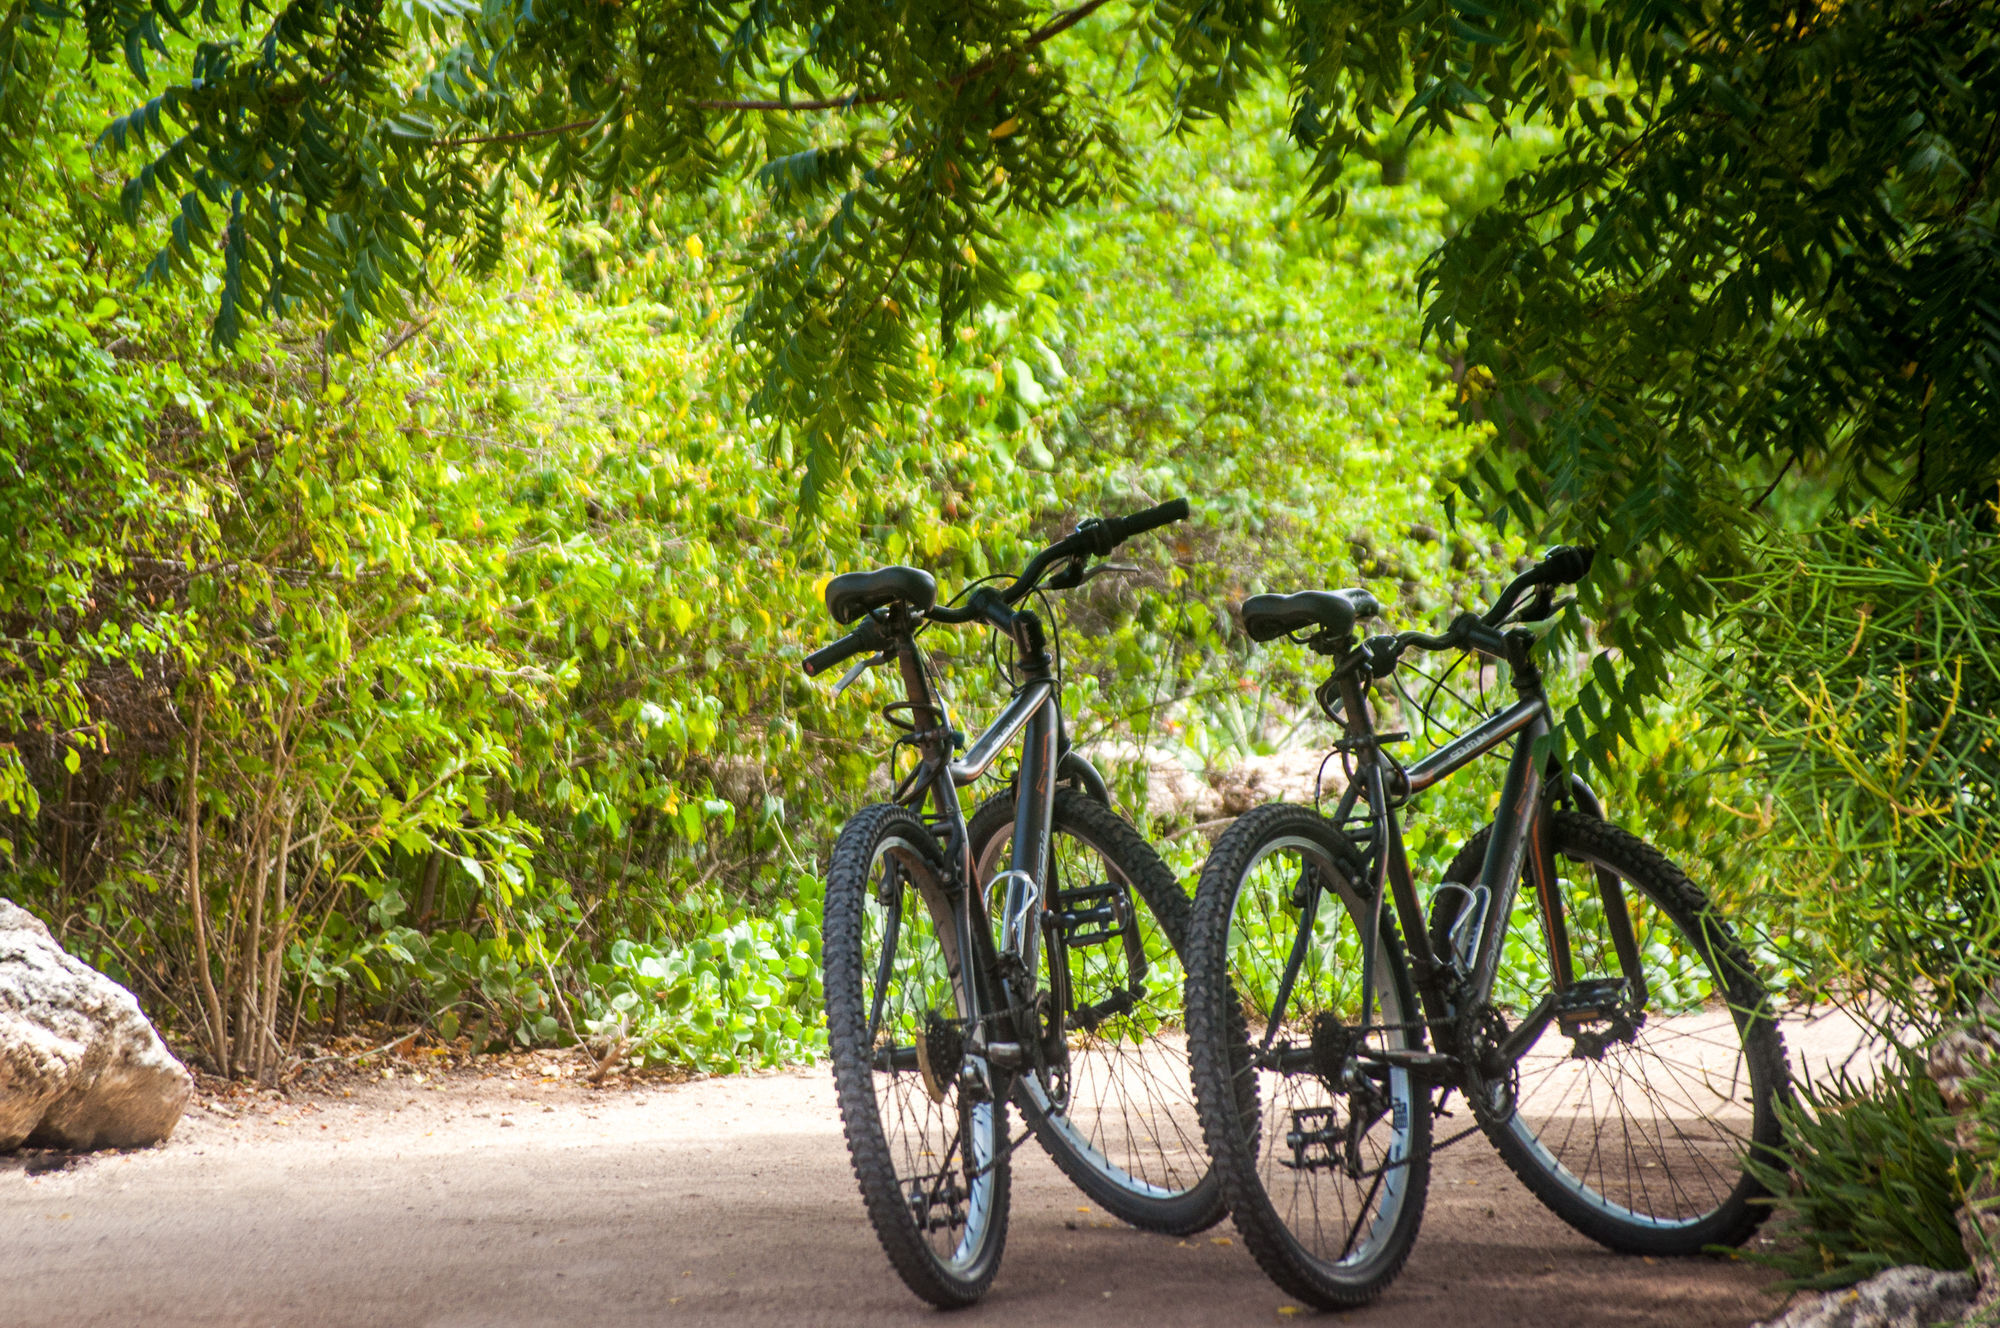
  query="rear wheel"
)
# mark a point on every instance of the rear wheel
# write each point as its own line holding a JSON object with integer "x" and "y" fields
{"x": 1633, "y": 1124}
{"x": 929, "y": 1148}
{"x": 1113, "y": 1107}
{"x": 1323, "y": 1145}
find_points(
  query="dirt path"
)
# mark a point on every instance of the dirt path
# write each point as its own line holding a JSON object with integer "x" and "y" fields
{"x": 471, "y": 1199}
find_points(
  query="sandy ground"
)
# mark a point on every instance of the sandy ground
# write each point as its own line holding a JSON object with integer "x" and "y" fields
{"x": 470, "y": 1198}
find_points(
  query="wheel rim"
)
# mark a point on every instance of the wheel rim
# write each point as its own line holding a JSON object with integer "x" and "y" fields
{"x": 1130, "y": 1115}
{"x": 1652, "y": 1134}
{"x": 942, "y": 1152}
{"x": 1337, "y": 1220}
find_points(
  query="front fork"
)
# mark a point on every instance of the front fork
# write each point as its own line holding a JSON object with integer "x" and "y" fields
{"x": 1573, "y": 1001}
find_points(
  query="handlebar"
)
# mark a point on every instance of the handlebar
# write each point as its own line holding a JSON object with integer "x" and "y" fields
{"x": 1122, "y": 528}
{"x": 1564, "y": 565}
{"x": 867, "y": 635}
{"x": 1095, "y": 537}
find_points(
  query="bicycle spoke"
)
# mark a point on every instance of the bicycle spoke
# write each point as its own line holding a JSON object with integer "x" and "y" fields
{"x": 1641, "y": 1127}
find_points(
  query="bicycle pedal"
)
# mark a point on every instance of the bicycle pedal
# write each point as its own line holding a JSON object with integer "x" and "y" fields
{"x": 1312, "y": 1128}
{"x": 1091, "y": 914}
{"x": 1589, "y": 1001}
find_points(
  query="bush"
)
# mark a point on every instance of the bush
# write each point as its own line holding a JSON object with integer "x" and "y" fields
{"x": 1862, "y": 677}
{"x": 1875, "y": 1180}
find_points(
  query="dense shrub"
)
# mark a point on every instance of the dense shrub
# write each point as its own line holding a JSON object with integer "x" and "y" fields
{"x": 1859, "y": 679}
{"x": 455, "y": 678}
{"x": 1875, "y": 1179}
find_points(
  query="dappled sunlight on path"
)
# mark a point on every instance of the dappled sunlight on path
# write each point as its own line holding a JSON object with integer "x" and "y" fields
{"x": 476, "y": 1201}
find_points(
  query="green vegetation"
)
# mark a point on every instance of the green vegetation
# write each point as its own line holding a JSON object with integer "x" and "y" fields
{"x": 429, "y": 427}
{"x": 1857, "y": 691}
{"x": 1876, "y": 1181}
{"x": 1861, "y": 685}
{"x": 453, "y": 678}
{"x": 1755, "y": 257}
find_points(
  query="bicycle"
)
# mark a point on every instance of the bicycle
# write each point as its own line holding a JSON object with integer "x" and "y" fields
{"x": 1611, "y": 1036}
{"x": 940, "y": 1009}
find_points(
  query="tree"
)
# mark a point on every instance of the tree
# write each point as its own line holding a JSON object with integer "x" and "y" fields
{"x": 330, "y": 147}
{"x": 1764, "y": 249}
{"x": 1764, "y": 257}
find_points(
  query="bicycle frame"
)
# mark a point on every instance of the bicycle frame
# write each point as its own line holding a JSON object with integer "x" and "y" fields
{"x": 1447, "y": 983}
{"x": 1033, "y": 714}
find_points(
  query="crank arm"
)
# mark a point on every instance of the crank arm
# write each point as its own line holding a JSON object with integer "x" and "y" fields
{"x": 1515, "y": 1045}
{"x": 1118, "y": 1002}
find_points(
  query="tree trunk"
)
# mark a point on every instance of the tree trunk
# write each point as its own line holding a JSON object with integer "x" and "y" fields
{"x": 427, "y": 899}
{"x": 218, "y": 1028}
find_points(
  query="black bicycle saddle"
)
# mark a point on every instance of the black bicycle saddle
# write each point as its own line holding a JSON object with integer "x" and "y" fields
{"x": 1266, "y": 617}
{"x": 852, "y": 594}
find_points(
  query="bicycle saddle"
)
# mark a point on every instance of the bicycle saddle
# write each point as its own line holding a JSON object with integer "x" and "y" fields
{"x": 1268, "y": 616}
{"x": 852, "y": 594}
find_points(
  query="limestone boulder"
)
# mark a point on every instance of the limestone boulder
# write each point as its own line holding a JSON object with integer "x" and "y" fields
{"x": 1213, "y": 797}
{"x": 1908, "y": 1297}
{"x": 80, "y": 1066}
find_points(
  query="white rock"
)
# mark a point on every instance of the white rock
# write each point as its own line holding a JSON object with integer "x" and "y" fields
{"x": 80, "y": 1066}
{"x": 1907, "y": 1297}
{"x": 1288, "y": 776}
{"x": 1174, "y": 792}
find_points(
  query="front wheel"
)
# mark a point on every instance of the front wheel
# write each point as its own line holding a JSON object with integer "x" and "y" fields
{"x": 929, "y": 1147}
{"x": 1632, "y": 1117}
{"x": 1113, "y": 1106}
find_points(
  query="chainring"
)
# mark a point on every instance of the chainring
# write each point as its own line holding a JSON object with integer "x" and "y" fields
{"x": 1491, "y": 1086}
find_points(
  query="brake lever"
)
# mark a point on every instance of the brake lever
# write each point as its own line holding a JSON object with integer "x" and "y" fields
{"x": 856, "y": 669}
{"x": 1543, "y": 606}
{"x": 1105, "y": 569}
{"x": 1067, "y": 577}
{"x": 1545, "y": 622}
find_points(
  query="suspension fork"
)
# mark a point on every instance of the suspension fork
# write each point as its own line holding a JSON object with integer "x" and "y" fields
{"x": 1546, "y": 880}
{"x": 1617, "y": 920}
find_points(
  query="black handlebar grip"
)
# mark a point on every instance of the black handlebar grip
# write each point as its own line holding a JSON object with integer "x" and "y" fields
{"x": 845, "y": 648}
{"x": 1125, "y": 527}
{"x": 1566, "y": 564}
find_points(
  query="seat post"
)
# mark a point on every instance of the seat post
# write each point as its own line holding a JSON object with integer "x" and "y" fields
{"x": 924, "y": 708}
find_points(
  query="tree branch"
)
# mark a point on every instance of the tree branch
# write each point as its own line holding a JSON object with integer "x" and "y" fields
{"x": 1059, "y": 24}
{"x": 1063, "y": 22}
{"x": 1783, "y": 471}
{"x": 517, "y": 136}
{"x": 819, "y": 104}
